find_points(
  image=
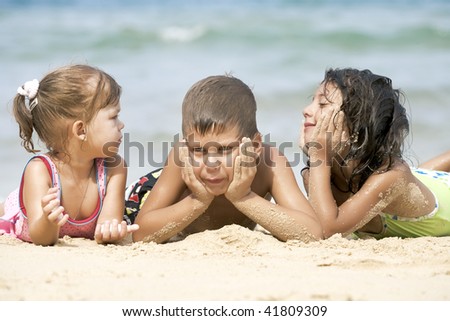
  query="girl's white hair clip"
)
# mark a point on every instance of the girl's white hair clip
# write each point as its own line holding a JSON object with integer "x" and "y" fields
{"x": 29, "y": 90}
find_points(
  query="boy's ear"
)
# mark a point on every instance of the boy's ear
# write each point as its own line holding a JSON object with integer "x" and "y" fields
{"x": 257, "y": 143}
{"x": 79, "y": 130}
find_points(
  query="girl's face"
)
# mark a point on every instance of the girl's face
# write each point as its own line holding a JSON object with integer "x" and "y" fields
{"x": 105, "y": 131}
{"x": 325, "y": 100}
{"x": 213, "y": 157}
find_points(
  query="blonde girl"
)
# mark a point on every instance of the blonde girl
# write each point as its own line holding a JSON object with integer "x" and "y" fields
{"x": 76, "y": 188}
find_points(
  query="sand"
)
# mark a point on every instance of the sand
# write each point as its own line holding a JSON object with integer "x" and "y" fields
{"x": 232, "y": 263}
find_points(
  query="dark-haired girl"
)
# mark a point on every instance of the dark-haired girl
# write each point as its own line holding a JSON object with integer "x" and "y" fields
{"x": 356, "y": 178}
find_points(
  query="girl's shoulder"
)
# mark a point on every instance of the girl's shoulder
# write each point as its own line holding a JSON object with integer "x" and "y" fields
{"x": 40, "y": 163}
{"x": 399, "y": 172}
{"x": 40, "y": 170}
{"x": 36, "y": 162}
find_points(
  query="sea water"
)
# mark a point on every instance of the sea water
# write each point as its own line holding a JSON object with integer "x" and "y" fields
{"x": 157, "y": 49}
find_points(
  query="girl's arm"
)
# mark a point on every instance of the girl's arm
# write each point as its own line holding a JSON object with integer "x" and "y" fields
{"x": 110, "y": 225}
{"x": 378, "y": 191}
{"x": 44, "y": 213}
{"x": 164, "y": 213}
{"x": 291, "y": 217}
{"x": 439, "y": 163}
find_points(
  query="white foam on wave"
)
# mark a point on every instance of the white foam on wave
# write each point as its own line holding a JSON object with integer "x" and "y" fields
{"x": 181, "y": 34}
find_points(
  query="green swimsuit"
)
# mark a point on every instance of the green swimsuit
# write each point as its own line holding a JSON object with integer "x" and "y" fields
{"x": 437, "y": 223}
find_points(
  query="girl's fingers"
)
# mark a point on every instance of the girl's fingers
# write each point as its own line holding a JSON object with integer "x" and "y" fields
{"x": 52, "y": 190}
{"x": 105, "y": 230}
{"x": 321, "y": 126}
{"x": 114, "y": 229}
{"x": 111, "y": 231}
{"x": 46, "y": 199}
{"x": 337, "y": 127}
{"x": 98, "y": 231}
{"x": 54, "y": 213}
{"x": 132, "y": 228}
{"x": 63, "y": 219}
{"x": 51, "y": 207}
{"x": 122, "y": 227}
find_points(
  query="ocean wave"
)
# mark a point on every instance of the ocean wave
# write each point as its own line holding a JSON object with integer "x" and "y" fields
{"x": 182, "y": 34}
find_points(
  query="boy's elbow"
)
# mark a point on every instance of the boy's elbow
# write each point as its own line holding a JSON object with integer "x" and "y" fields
{"x": 138, "y": 236}
{"x": 148, "y": 237}
{"x": 328, "y": 231}
{"x": 304, "y": 235}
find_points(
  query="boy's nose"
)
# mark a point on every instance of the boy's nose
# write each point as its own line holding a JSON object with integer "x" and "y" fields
{"x": 213, "y": 160}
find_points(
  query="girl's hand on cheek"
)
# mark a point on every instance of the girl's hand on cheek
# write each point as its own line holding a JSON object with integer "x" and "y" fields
{"x": 316, "y": 147}
{"x": 329, "y": 136}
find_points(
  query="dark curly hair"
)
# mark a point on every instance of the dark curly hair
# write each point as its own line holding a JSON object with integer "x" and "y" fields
{"x": 376, "y": 118}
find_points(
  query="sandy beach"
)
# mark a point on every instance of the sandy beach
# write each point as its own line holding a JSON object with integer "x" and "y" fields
{"x": 232, "y": 263}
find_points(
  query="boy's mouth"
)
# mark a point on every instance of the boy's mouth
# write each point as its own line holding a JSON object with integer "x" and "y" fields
{"x": 213, "y": 181}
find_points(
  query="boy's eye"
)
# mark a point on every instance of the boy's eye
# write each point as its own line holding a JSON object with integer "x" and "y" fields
{"x": 198, "y": 150}
{"x": 226, "y": 149}
{"x": 219, "y": 150}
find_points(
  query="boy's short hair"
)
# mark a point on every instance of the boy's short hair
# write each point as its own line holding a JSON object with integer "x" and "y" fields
{"x": 216, "y": 103}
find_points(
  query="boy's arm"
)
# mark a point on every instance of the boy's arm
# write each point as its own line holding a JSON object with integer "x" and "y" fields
{"x": 163, "y": 214}
{"x": 439, "y": 163}
{"x": 292, "y": 217}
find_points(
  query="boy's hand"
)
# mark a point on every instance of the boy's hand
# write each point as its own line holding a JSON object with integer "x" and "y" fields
{"x": 51, "y": 208}
{"x": 109, "y": 232}
{"x": 244, "y": 171}
{"x": 197, "y": 189}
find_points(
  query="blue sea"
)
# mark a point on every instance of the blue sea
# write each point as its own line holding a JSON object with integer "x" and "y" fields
{"x": 157, "y": 49}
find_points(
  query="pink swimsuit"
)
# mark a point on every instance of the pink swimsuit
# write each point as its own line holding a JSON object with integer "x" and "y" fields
{"x": 15, "y": 222}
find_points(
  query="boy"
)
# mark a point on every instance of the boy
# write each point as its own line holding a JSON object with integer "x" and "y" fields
{"x": 223, "y": 174}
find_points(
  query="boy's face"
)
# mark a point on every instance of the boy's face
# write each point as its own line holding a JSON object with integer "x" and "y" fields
{"x": 213, "y": 156}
